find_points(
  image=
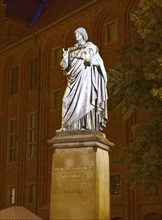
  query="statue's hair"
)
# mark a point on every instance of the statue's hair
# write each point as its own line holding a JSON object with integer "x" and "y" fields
{"x": 83, "y": 32}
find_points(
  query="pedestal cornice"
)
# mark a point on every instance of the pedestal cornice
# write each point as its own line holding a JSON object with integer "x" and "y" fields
{"x": 80, "y": 139}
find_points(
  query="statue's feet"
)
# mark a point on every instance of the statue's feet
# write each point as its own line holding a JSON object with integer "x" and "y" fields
{"x": 61, "y": 129}
{"x": 83, "y": 129}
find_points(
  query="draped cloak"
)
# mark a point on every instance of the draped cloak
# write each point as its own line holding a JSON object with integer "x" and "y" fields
{"x": 85, "y": 97}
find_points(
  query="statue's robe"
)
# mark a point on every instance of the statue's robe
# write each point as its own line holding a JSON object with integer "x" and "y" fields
{"x": 85, "y": 97}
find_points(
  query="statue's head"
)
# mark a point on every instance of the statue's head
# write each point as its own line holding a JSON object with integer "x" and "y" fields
{"x": 83, "y": 32}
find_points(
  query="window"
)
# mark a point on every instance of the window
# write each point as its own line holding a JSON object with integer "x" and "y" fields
{"x": 14, "y": 81}
{"x": 33, "y": 72}
{"x": 32, "y": 135}
{"x": 111, "y": 32}
{"x": 56, "y": 100}
{"x": 12, "y": 195}
{"x": 12, "y": 140}
{"x": 115, "y": 184}
{"x": 32, "y": 193}
{"x": 56, "y": 56}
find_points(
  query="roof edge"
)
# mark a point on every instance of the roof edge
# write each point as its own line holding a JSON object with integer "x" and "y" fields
{"x": 37, "y": 32}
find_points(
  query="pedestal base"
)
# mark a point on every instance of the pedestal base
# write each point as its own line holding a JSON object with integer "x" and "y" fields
{"x": 80, "y": 176}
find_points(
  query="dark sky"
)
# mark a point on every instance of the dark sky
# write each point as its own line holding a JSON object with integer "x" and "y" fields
{"x": 31, "y": 10}
{"x": 22, "y": 10}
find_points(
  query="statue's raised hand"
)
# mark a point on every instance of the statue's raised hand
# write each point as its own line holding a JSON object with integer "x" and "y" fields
{"x": 65, "y": 53}
{"x": 64, "y": 62}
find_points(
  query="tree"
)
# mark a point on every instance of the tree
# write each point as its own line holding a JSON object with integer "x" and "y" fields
{"x": 136, "y": 83}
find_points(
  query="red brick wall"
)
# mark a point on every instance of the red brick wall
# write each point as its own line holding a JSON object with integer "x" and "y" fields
{"x": 129, "y": 205}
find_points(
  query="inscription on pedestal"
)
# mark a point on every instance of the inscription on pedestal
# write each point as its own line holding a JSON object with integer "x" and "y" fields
{"x": 73, "y": 179}
{"x": 74, "y": 185}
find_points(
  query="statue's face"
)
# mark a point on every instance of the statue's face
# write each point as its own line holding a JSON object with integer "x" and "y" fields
{"x": 78, "y": 36}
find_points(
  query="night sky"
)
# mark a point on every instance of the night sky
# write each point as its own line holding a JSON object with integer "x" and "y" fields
{"x": 29, "y": 11}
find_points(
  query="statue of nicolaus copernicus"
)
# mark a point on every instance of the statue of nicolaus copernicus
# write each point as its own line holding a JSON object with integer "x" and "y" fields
{"x": 85, "y": 98}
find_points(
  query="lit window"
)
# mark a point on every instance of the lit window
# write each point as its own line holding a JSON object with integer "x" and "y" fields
{"x": 14, "y": 81}
{"x": 33, "y": 72}
{"x": 12, "y": 138}
{"x": 57, "y": 100}
{"x": 12, "y": 195}
{"x": 32, "y": 135}
{"x": 115, "y": 184}
{"x": 56, "y": 56}
{"x": 32, "y": 193}
{"x": 111, "y": 32}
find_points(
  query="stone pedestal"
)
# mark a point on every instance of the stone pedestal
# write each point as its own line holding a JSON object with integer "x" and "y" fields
{"x": 80, "y": 176}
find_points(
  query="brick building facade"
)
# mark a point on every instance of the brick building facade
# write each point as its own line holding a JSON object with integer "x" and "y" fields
{"x": 31, "y": 89}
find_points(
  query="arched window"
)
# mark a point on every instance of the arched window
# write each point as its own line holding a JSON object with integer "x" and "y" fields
{"x": 33, "y": 72}
{"x": 14, "y": 80}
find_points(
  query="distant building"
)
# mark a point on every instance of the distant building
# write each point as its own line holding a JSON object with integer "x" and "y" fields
{"x": 31, "y": 89}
